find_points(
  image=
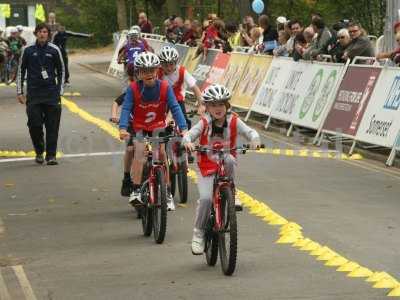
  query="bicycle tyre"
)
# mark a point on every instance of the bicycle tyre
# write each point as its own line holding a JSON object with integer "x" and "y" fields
{"x": 182, "y": 182}
{"x": 211, "y": 248}
{"x": 228, "y": 249}
{"x": 172, "y": 179}
{"x": 160, "y": 207}
{"x": 145, "y": 211}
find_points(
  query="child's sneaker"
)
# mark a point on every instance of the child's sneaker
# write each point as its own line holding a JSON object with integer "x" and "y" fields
{"x": 198, "y": 243}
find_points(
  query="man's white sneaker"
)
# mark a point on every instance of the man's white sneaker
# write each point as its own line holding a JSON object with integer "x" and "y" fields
{"x": 198, "y": 243}
{"x": 238, "y": 204}
{"x": 170, "y": 202}
{"x": 136, "y": 198}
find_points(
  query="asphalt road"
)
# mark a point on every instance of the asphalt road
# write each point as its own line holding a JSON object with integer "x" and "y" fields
{"x": 65, "y": 232}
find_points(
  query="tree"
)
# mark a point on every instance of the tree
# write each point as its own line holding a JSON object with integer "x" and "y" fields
{"x": 121, "y": 14}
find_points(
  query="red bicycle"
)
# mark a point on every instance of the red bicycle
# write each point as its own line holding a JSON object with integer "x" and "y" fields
{"x": 154, "y": 192}
{"x": 221, "y": 230}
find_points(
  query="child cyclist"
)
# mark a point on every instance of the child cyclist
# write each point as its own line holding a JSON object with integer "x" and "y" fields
{"x": 126, "y": 55}
{"x": 217, "y": 125}
{"x": 178, "y": 77}
{"x": 148, "y": 100}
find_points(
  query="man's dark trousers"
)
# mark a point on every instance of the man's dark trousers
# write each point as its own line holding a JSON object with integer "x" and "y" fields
{"x": 49, "y": 115}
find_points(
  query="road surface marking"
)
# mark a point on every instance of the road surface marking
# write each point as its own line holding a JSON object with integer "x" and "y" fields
{"x": 290, "y": 232}
{"x": 77, "y": 155}
{"x": 4, "y": 294}
{"x": 24, "y": 282}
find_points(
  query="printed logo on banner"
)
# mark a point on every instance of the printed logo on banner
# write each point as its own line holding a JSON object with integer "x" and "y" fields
{"x": 324, "y": 97}
{"x": 311, "y": 92}
{"x": 352, "y": 100}
{"x": 268, "y": 92}
{"x": 250, "y": 83}
{"x": 230, "y": 78}
{"x": 393, "y": 100}
{"x": 288, "y": 98}
{"x": 381, "y": 128}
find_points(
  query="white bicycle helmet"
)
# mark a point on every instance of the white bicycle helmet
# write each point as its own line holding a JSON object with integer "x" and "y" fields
{"x": 168, "y": 54}
{"x": 216, "y": 93}
{"x": 147, "y": 60}
{"x": 134, "y": 32}
{"x": 20, "y": 28}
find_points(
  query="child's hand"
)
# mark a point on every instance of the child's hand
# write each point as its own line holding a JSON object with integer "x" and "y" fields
{"x": 114, "y": 120}
{"x": 190, "y": 147}
{"x": 123, "y": 134}
{"x": 201, "y": 109}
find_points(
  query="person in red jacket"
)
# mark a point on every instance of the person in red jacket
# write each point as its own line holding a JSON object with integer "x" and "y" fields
{"x": 179, "y": 78}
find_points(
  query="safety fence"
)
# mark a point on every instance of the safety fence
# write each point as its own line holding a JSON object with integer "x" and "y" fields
{"x": 358, "y": 102}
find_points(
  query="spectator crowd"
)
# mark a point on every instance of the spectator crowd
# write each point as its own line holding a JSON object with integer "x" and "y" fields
{"x": 344, "y": 40}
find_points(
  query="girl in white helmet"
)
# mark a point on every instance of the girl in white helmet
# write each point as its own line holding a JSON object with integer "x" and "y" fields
{"x": 178, "y": 78}
{"x": 218, "y": 125}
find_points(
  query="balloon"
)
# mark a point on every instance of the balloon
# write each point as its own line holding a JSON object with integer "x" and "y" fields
{"x": 258, "y": 6}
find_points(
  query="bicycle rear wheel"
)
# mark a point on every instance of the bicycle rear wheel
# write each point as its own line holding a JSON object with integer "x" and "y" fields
{"x": 227, "y": 236}
{"x": 160, "y": 207}
{"x": 182, "y": 182}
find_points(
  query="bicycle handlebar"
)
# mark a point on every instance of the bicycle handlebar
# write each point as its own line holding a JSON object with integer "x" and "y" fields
{"x": 243, "y": 149}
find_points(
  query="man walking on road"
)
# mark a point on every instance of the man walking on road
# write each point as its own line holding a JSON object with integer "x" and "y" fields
{"x": 43, "y": 64}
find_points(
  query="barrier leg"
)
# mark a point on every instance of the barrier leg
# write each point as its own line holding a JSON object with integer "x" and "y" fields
{"x": 391, "y": 157}
{"x": 268, "y": 123}
{"x": 289, "y": 132}
{"x": 247, "y": 115}
{"x": 352, "y": 147}
{"x": 321, "y": 138}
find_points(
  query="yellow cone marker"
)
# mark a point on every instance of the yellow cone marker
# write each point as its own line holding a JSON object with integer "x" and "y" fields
{"x": 301, "y": 243}
{"x": 316, "y": 154}
{"x": 328, "y": 255}
{"x": 289, "y": 152}
{"x": 276, "y": 151}
{"x": 386, "y": 283}
{"x": 360, "y": 272}
{"x": 289, "y": 238}
{"x": 319, "y": 251}
{"x": 279, "y": 220}
{"x": 349, "y": 267}
{"x": 395, "y": 292}
{"x": 291, "y": 225}
{"x": 303, "y": 153}
{"x": 377, "y": 276}
{"x": 337, "y": 261}
{"x": 310, "y": 246}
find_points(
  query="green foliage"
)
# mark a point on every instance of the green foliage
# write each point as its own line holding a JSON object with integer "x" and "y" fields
{"x": 89, "y": 16}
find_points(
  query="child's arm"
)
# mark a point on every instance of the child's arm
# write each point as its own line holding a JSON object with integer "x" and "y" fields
{"x": 176, "y": 110}
{"x": 126, "y": 113}
{"x": 192, "y": 135}
{"x": 114, "y": 113}
{"x": 249, "y": 133}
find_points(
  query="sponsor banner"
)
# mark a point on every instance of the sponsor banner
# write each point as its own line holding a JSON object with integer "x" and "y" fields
{"x": 351, "y": 100}
{"x": 192, "y": 59}
{"x": 273, "y": 82}
{"x": 183, "y": 51}
{"x": 397, "y": 144}
{"x": 321, "y": 80}
{"x": 217, "y": 70}
{"x": 156, "y": 45}
{"x": 250, "y": 82}
{"x": 290, "y": 94}
{"x": 203, "y": 66}
{"x": 233, "y": 72}
{"x": 380, "y": 124}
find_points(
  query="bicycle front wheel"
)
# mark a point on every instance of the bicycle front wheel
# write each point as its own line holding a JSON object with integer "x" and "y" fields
{"x": 211, "y": 248}
{"x": 227, "y": 236}
{"x": 160, "y": 207}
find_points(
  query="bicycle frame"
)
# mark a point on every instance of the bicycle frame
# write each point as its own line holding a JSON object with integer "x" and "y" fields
{"x": 154, "y": 166}
{"x": 220, "y": 180}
